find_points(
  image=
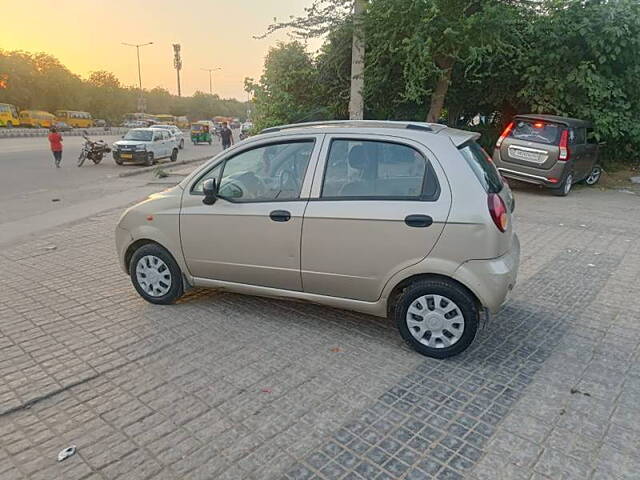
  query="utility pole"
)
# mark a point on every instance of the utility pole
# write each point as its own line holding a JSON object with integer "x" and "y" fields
{"x": 210, "y": 81}
{"x": 177, "y": 63}
{"x": 141, "y": 105}
{"x": 356, "y": 102}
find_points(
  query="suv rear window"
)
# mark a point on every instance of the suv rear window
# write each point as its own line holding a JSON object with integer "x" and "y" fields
{"x": 482, "y": 166}
{"x": 537, "y": 131}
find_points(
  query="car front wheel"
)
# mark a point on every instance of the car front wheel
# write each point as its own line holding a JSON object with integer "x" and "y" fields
{"x": 155, "y": 274}
{"x": 149, "y": 160}
{"x": 437, "y": 318}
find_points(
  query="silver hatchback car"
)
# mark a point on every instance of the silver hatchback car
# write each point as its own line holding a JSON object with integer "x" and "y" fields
{"x": 406, "y": 220}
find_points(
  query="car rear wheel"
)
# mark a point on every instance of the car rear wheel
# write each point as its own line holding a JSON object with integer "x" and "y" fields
{"x": 564, "y": 189}
{"x": 437, "y": 318}
{"x": 594, "y": 176}
{"x": 181, "y": 144}
{"x": 174, "y": 155}
{"x": 155, "y": 274}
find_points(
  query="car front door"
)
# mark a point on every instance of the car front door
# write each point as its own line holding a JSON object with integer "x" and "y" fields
{"x": 156, "y": 144}
{"x": 251, "y": 234}
{"x": 378, "y": 205}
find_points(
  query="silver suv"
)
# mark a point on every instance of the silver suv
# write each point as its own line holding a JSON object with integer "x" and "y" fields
{"x": 406, "y": 220}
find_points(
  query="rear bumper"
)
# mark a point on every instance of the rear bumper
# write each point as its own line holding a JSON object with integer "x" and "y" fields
{"x": 551, "y": 177}
{"x": 492, "y": 280}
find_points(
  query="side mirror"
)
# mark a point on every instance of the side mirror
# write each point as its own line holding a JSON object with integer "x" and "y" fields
{"x": 210, "y": 189}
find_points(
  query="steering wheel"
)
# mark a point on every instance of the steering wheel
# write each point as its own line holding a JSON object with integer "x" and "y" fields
{"x": 289, "y": 180}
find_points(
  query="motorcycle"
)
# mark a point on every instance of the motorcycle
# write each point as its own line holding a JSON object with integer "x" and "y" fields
{"x": 93, "y": 150}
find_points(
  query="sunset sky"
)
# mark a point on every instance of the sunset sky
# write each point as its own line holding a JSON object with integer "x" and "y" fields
{"x": 86, "y": 35}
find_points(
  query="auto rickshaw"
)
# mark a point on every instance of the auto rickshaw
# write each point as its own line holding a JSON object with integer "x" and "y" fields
{"x": 201, "y": 133}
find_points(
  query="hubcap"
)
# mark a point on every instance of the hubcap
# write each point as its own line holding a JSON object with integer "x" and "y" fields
{"x": 435, "y": 321}
{"x": 594, "y": 176}
{"x": 153, "y": 276}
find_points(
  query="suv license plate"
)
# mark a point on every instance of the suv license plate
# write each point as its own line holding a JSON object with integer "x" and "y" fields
{"x": 524, "y": 155}
{"x": 126, "y": 155}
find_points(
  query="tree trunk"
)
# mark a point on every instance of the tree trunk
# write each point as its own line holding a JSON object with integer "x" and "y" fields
{"x": 442, "y": 85}
{"x": 356, "y": 102}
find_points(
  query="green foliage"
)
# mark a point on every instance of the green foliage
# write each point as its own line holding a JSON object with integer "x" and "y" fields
{"x": 288, "y": 91}
{"x": 578, "y": 58}
{"x": 40, "y": 81}
{"x": 583, "y": 60}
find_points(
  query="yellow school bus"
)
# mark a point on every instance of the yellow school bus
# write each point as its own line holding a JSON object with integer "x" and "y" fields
{"x": 37, "y": 119}
{"x": 165, "y": 119}
{"x": 8, "y": 115}
{"x": 75, "y": 119}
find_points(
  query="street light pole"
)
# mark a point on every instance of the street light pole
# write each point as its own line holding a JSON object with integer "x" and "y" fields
{"x": 210, "y": 81}
{"x": 138, "y": 45}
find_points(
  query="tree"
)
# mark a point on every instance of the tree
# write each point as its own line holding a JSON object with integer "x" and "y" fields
{"x": 287, "y": 91}
{"x": 423, "y": 40}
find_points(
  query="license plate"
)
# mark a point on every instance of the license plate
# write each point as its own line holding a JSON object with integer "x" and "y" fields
{"x": 524, "y": 155}
{"x": 126, "y": 155}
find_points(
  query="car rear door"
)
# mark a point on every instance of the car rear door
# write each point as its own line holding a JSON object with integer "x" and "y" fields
{"x": 378, "y": 205}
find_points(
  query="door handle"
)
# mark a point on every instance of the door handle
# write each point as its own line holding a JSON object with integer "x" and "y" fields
{"x": 418, "y": 221}
{"x": 280, "y": 216}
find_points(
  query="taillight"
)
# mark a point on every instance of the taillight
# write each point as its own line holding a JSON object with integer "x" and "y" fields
{"x": 565, "y": 153}
{"x": 504, "y": 135}
{"x": 498, "y": 211}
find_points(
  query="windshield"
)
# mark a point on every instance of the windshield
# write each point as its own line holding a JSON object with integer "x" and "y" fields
{"x": 537, "y": 131}
{"x": 142, "y": 135}
{"x": 482, "y": 167}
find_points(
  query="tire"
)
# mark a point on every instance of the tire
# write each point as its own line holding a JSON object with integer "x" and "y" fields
{"x": 149, "y": 160}
{"x": 564, "y": 189}
{"x": 594, "y": 176}
{"x": 97, "y": 159}
{"x": 174, "y": 155}
{"x": 437, "y": 296}
{"x": 181, "y": 146}
{"x": 118, "y": 160}
{"x": 167, "y": 280}
{"x": 81, "y": 158}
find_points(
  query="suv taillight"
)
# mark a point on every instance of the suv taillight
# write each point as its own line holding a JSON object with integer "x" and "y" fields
{"x": 565, "y": 153}
{"x": 504, "y": 135}
{"x": 498, "y": 211}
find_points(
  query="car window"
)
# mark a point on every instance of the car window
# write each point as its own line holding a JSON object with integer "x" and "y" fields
{"x": 213, "y": 173}
{"x": 374, "y": 169}
{"x": 271, "y": 172}
{"x": 580, "y": 136}
{"x": 537, "y": 131}
{"x": 482, "y": 167}
{"x": 141, "y": 135}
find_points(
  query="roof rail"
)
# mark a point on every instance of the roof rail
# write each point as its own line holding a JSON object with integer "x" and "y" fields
{"x": 426, "y": 127}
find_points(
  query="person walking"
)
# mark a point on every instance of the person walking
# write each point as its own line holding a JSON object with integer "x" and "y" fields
{"x": 226, "y": 135}
{"x": 55, "y": 140}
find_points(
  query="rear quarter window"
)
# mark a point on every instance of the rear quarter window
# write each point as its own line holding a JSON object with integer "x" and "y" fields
{"x": 482, "y": 166}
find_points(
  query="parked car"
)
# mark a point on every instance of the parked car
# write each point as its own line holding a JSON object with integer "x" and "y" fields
{"x": 175, "y": 131}
{"x": 547, "y": 150}
{"x": 145, "y": 145}
{"x": 99, "y": 122}
{"x": 409, "y": 220}
{"x": 62, "y": 127}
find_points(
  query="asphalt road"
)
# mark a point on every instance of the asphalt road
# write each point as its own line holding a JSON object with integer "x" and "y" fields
{"x": 31, "y": 185}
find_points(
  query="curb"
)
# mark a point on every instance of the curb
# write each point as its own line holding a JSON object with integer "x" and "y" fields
{"x": 139, "y": 171}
